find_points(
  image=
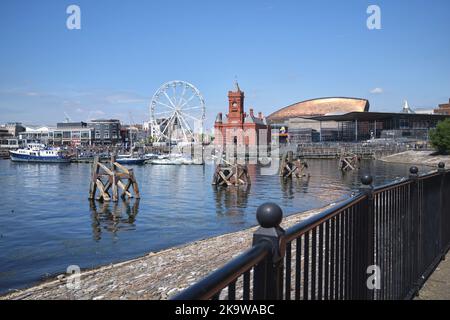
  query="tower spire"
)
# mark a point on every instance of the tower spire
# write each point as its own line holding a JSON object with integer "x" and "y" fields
{"x": 406, "y": 108}
{"x": 236, "y": 84}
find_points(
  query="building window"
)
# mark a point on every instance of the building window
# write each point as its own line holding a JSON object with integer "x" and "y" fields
{"x": 114, "y": 135}
{"x": 404, "y": 124}
{"x": 106, "y": 134}
{"x": 97, "y": 134}
{"x": 76, "y": 135}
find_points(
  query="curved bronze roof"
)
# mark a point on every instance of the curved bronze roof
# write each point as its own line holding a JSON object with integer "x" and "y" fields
{"x": 320, "y": 107}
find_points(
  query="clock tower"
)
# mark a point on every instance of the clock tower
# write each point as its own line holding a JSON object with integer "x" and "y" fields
{"x": 239, "y": 127}
{"x": 236, "y": 105}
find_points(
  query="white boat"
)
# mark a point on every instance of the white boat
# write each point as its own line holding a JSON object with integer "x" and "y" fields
{"x": 36, "y": 152}
{"x": 173, "y": 160}
{"x": 150, "y": 156}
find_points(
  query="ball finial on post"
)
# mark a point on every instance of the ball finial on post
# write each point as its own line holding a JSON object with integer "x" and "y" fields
{"x": 367, "y": 180}
{"x": 414, "y": 170}
{"x": 441, "y": 165}
{"x": 269, "y": 215}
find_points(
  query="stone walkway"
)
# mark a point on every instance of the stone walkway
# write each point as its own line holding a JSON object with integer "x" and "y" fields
{"x": 418, "y": 158}
{"x": 437, "y": 286}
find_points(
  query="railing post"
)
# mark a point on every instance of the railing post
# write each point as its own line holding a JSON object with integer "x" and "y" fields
{"x": 268, "y": 274}
{"x": 442, "y": 225}
{"x": 415, "y": 230}
{"x": 368, "y": 230}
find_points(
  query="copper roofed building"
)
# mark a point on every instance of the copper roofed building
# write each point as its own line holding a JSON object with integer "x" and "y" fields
{"x": 320, "y": 107}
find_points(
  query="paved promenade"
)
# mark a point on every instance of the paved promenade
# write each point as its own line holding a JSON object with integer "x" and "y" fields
{"x": 437, "y": 286}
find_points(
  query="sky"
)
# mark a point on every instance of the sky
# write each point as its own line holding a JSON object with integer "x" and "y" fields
{"x": 281, "y": 52}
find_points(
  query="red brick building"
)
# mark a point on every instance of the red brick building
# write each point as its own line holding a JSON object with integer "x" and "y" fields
{"x": 238, "y": 127}
{"x": 443, "y": 108}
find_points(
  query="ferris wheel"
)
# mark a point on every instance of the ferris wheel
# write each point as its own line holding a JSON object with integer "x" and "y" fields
{"x": 178, "y": 113}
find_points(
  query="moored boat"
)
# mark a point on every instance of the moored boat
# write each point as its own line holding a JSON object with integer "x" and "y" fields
{"x": 130, "y": 160}
{"x": 173, "y": 160}
{"x": 39, "y": 153}
{"x": 151, "y": 156}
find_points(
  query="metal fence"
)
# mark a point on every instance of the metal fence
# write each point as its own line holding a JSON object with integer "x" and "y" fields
{"x": 380, "y": 244}
{"x": 367, "y": 150}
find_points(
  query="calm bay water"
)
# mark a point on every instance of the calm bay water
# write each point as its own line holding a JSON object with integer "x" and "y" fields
{"x": 47, "y": 223}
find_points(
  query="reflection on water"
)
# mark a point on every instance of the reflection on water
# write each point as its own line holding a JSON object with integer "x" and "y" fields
{"x": 47, "y": 223}
{"x": 230, "y": 199}
{"x": 291, "y": 186}
{"x": 113, "y": 216}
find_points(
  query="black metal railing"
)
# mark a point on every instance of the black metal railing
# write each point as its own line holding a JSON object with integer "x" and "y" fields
{"x": 380, "y": 244}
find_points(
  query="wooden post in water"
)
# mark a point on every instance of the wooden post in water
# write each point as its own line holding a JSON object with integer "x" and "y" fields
{"x": 231, "y": 175}
{"x": 115, "y": 194}
{"x": 348, "y": 161}
{"x": 94, "y": 173}
{"x": 290, "y": 168}
{"x": 104, "y": 178}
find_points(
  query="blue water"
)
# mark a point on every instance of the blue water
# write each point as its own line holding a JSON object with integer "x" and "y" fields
{"x": 47, "y": 222}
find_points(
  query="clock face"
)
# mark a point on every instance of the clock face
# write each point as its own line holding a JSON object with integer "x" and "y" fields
{"x": 235, "y": 105}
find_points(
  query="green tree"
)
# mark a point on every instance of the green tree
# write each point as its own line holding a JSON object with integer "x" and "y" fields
{"x": 440, "y": 137}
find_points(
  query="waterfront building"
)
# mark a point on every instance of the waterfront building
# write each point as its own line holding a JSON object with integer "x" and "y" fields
{"x": 75, "y": 133}
{"x": 4, "y": 132}
{"x": 36, "y": 134}
{"x": 424, "y": 110}
{"x": 7, "y": 141}
{"x": 443, "y": 108}
{"x": 8, "y": 144}
{"x": 294, "y": 123}
{"x": 348, "y": 119}
{"x": 71, "y": 133}
{"x": 238, "y": 127}
{"x": 14, "y": 128}
{"x": 105, "y": 131}
{"x": 360, "y": 126}
{"x": 132, "y": 134}
{"x": 151, "y": 129}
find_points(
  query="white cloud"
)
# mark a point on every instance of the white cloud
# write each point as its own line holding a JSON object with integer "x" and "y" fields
{"x": 124, "y": 98}
{"x": 80, "y": 105}
{"x": 376, "y": 90}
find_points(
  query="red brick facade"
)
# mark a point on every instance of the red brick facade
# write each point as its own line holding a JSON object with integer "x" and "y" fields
{"x": 443, "y": 108}
{"x": 240, "y": 128}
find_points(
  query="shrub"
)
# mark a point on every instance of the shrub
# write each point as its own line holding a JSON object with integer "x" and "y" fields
{"x": 440, "y": 137}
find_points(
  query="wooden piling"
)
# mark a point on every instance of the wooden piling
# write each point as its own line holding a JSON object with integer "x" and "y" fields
{"x": 104, "y": 178}
{"x": 348, "y": 161}
{"x": 231, "y": 175}
{"x": 290, "y": 168}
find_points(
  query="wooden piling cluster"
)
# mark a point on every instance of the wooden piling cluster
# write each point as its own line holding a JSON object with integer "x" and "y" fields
{"x": 231, "y": 175}
{"x": 292, "y": 168}
{"x": 114, "y": 177}
{"x": 348, "y": 161}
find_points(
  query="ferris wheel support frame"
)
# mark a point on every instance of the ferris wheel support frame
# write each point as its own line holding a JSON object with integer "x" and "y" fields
{"x": 179, "y": 110}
